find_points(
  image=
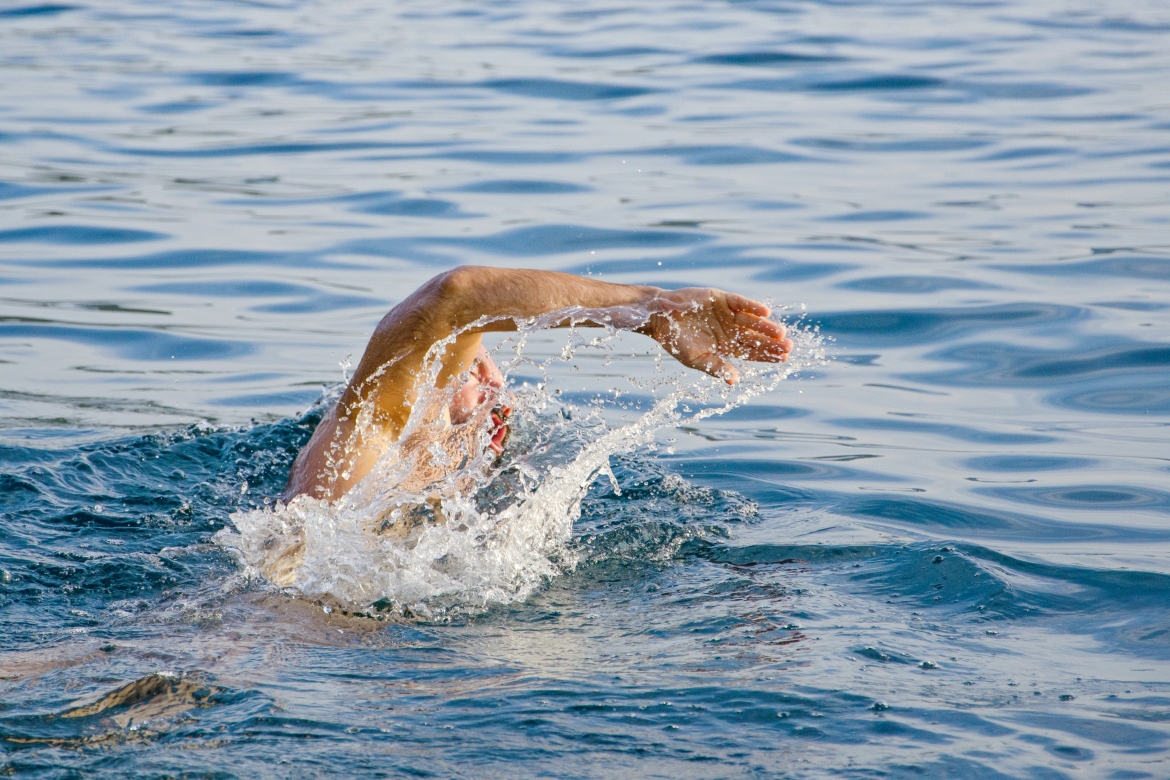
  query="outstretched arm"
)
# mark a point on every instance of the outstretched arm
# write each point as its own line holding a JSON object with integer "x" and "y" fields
{"x": 698, "y": 326}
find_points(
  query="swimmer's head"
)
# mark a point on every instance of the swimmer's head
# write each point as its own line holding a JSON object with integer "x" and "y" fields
{"x": 484, "y": 386}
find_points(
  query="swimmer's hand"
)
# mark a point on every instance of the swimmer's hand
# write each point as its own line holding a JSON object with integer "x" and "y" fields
{"x": 702, "y": 327}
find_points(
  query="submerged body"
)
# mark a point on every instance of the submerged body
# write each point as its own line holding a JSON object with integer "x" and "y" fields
{"x": 434, "y": 337}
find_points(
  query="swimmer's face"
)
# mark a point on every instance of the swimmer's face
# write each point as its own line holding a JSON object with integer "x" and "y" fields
{"x": 484, "y": 386}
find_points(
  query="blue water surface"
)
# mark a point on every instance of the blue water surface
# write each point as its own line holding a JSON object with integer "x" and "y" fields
{"x": 944, "y": 554}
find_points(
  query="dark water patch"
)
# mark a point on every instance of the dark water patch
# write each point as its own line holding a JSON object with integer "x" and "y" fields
{"x": 257, "y": 78}
{"x": 112, "y": 527}
{"x": 506, "y": 157}
{"x": 773, "y": 483}
{"x": 887, "y": 215}
{"x": 1136, "y": 396}
{"x": 760, "y": 413}
{"x": 522, "y": 187}
{"x": 310, "y": 299}
{"x": 895, "y": 86}
{"x": 248, "y": 150}
{"x": 909, "y": 86}
{"x": 967, "y": 585}
{"x": 949, "y": 767}
{"x": 1132, "y": 305}
{"x": 1022, "y": 90}
{"x": 193, "y": 258}
{"x": 557, "y": 89}
{"x": 901, "y": 327}
{"x": 320, "y": 302}
{"x": 987, "y": 585}
{"x": 606, "y": 53}
{"x": 652, "y": 520}
{"x": 77, "y": 234}
{"x": 246, "y": 33}
{"x": 176, "y": 107}
{"x": 947, "y": 519}
{"x": 878, "y": 83}
{"x": 913, "y": 285}
{"x": 562, "y": 239}
{"x": 1086, "y": 497}
{"x": 393, "y": 204}
{"x": 1126, "y": 267}
{"x": 44, "y": 9}
{"x": 1118, "y": 365}
{"x": 785, "y": 554}
{"x": 568, "y": 716}
{"x": 765, "y": 59}
{"x": 293, "y": 398}
{"x": 1026, "y": 153}
{"x": 266, "y": 37}
{"x": 1020, "y": 464}
{"x": 1142, "y": 358}
{"x": 229, "y": 288}
{"x": 13, "y": 191}
{"x": 710, "y": 256}
{"x": 867, "y": 146}
{"x": 771, "y": 205}
{"x": 718, "y": 155}
{"x": 130, "y": 344}
{"x": 637, "y": 111}
{"x": 947, "y": 430}
{"x": 1103, "y": 731}
{"x": 788, "y": 271}
{"x": 426, "y": 251}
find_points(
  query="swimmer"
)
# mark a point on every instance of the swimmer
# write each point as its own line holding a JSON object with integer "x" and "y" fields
{"x": 699, "y": 327}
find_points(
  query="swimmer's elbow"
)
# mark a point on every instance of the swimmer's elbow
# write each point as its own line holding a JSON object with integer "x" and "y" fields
{"x": 463, "y": 295}
{"x": 460, "y": 283}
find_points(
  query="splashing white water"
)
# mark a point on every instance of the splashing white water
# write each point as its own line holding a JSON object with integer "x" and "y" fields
{"x": 479, "y": 530}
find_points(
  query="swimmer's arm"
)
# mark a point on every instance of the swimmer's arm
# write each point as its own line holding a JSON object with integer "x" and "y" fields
{"x": 700, "y": 327}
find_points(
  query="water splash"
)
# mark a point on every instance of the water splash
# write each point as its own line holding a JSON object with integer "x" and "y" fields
{"x": 442, "y": 525}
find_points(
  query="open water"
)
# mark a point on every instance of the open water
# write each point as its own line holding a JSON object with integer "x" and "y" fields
{"x": 944, "y": 552}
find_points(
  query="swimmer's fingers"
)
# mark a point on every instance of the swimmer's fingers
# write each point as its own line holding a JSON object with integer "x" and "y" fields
{"x": 757, "y": 323}
{"x": 762, "y": 350}
{"x": 740, "y": 304}
{"x": 760, "y": 339}
{"x": 718, "y": 367}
